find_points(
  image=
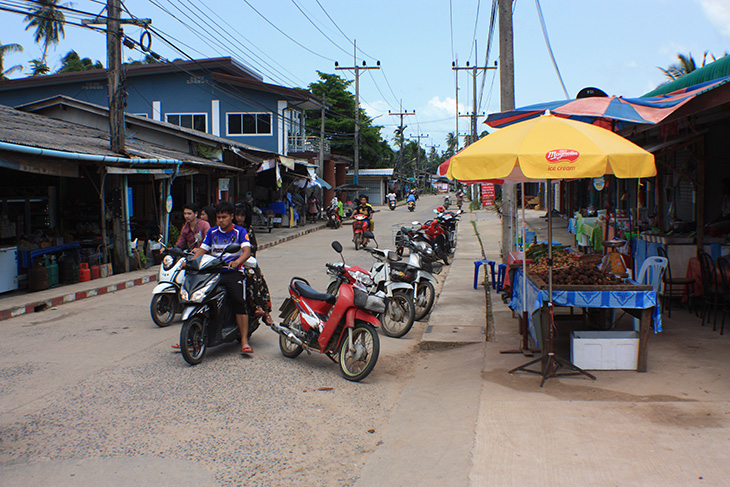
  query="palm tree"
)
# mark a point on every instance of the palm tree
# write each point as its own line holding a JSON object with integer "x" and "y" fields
{"x": 38, "y": 68}
{"x": 685, "y": 66}
{"x": 48, "y": 21}
{"x": 9, "y": 49}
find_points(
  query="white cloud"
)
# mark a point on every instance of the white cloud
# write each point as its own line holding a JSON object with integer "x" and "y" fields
{"x": 446, "y": 107}
{"x": 718, "y": 13}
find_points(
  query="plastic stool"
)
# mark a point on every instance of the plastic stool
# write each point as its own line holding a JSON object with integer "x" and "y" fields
{"x": 479, "y": 263}
{"x": 501, "y": 271}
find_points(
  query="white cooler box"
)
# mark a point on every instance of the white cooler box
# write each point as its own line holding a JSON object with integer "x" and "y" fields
{"x": 605, "y": 350}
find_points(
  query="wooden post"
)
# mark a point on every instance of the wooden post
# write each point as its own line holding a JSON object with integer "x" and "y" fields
{"x": 644, "y": 333}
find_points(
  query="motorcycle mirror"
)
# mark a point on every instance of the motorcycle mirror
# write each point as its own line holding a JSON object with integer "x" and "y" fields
{"x": 415, "y": 222}
{"x": 337, "y": 246}
{"x": 435, "y": 211}
{"x": 232, "y": 249}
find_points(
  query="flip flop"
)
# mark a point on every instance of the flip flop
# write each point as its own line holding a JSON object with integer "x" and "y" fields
{"x": 246, "y": 349}
{"x": 176, "y": 346}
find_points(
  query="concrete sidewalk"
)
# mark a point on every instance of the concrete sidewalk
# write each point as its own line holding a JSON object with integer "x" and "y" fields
{"x": 17, "y": 303}
{"x": 463, "y": 420}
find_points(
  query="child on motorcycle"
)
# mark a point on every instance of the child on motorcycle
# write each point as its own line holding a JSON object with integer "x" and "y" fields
{"x": 257, "y": 290}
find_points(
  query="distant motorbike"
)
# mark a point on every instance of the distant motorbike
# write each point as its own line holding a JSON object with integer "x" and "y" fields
{"x": 341, "y": 327}
{"x": 447, "y": 202}
{"x": 208, "y": 318}
{"x": 359, "y": 227}
{"x": 165, "y": 302}
{"x": 334, "y": 219}
{"x": 391, "y": 205}
{"x": 411, "y": 205}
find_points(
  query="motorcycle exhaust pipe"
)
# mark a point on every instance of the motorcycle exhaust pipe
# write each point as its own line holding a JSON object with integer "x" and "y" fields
{"x": 289, "y": 335}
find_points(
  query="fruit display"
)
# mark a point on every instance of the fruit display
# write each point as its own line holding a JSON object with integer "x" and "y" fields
{"x": 566, "y": 259}
{"x": 581, "y": 274}
{"x": 538, "y": 251}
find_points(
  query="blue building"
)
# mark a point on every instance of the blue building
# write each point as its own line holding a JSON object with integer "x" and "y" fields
{"x": 219, "y": 96}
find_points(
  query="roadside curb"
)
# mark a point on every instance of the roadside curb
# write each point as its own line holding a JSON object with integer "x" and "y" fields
{"x": 43, "y": 304}
{"x": 291, "y": 237}
{"x": 35, "y": 306}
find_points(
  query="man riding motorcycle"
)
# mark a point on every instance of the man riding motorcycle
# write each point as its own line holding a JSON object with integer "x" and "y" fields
{"x": 216, "y": 240}
{"x": 364, "y": 208}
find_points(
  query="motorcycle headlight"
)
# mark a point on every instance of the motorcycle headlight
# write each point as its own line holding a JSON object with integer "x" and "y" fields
{"x": 198, "y": 296}
{"x": 363, "y": 278}
{"x": 168, "y": 262}
{"x": 183, "y": 294}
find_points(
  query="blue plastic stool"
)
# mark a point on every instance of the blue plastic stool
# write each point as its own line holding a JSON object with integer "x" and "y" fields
{"x": 479, "y": 263}
{"x": 501, "y": 271}
{"x": 555, "y": 242}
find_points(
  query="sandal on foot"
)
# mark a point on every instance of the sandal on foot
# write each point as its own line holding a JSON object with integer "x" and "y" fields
{"x": 246, "y": 349}
{"x": 176, "y": 346}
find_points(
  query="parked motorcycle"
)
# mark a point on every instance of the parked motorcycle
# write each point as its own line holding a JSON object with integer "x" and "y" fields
{"x": 208, "y": 318}
{"x": 447, "y": 202}
{"x": 411, "y": 205}
{"x": 359, "y": 227}
{"x": 391, "y": 205}
{"x": 418, "y": 272}
{"x": 400, "y": 313}
{"x": 341, "y": 327}
{"x": 165, "y": 302}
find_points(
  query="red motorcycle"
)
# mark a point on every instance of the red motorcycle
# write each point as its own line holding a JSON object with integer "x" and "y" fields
{"x": 360, "y": 226}
{"x": 342, "y": 326}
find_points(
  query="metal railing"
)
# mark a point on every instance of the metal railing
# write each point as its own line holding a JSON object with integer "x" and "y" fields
{"x": 308, "y": 144}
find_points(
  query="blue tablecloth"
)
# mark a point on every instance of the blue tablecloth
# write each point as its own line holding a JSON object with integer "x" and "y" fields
{"x": 582, "y": 299}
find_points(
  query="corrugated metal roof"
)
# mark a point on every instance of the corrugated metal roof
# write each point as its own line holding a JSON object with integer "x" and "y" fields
{"x": 714, "y": 70}
{"x": 388, "y": 171}
{"x": 33, "y": 130}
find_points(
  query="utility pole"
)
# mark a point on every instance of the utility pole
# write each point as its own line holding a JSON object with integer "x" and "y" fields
{"x": 401, "y": 129}
{"x": 507, "y": 102}
{"x": 357, "y": 70}
{"x": 115, "y": 89}
{"x": 456, "y": 77}
{"x": 474, "y": 71}
{"x": 320, "y": 169}
{"x": 418, "y": 153}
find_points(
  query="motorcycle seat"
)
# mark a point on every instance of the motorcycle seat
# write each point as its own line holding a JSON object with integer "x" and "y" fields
{"x": 311, "y": 293}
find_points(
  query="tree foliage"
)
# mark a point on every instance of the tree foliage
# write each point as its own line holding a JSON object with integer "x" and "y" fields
{"x": 72, "y": 62}
{"x": 6, "y": 49}
{"x": 38, "y": 67}
{"x": 340, "y": 123}
{"x": 48, "y": 21}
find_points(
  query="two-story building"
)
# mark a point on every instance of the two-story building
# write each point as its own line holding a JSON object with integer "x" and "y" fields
{"x": 219, "y": 96}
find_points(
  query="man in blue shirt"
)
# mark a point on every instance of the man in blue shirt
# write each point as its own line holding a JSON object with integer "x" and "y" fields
{"x": 216, "y": 240}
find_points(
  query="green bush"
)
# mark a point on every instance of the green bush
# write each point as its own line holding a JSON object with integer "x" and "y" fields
{"x": 173, "y": 234}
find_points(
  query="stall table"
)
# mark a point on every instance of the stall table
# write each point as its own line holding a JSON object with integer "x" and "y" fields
{"x": 638, "y": 300}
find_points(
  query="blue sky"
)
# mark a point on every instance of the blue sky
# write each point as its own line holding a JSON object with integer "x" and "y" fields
{"x": 613, "y": 45}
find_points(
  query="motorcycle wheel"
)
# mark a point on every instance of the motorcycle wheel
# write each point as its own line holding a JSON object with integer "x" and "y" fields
{"x": 425, "y": 297}
{"x": 334, "y": 288}
{"x": 338, "y": 223}
{"x": 358, "y": 241}
{"x": 192, "y": 340}
{"x": 358, "y": 362}
{"x": 448, "y": 258}
{"x": 290, "y": 349}
{"x": 162, "y": 309}
{"x": 399, "y": 315}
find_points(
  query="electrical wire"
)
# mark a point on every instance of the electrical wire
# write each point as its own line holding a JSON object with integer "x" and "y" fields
{"x": 343, "y": 34}
{"x": 474, "y": 35}
{"x": 317, "y": 27}
{"x": 550, "y": 49}
{"x": 490, "y": 38}
{"x": 287, "y": 35}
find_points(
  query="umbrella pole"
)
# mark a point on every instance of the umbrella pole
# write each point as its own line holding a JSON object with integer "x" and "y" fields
{"x": 551, "y": 362}
{"x": 525, "y": 347}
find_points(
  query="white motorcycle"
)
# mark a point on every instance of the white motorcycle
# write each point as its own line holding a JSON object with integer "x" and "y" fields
{"x": 166, "y": 294}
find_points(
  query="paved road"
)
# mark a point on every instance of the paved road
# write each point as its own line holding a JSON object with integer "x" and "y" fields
{"x": 92, "y": 394}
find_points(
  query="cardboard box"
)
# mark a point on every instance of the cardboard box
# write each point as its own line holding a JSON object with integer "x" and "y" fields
{"x": 604, "y": 350}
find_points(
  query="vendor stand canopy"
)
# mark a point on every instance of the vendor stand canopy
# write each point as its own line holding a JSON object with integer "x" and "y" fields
{"x": 547, "y": 148}
{"x": 612, "y": 112}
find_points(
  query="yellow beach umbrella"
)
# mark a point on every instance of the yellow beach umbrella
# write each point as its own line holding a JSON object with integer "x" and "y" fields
{"x": 550, "y": 147}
